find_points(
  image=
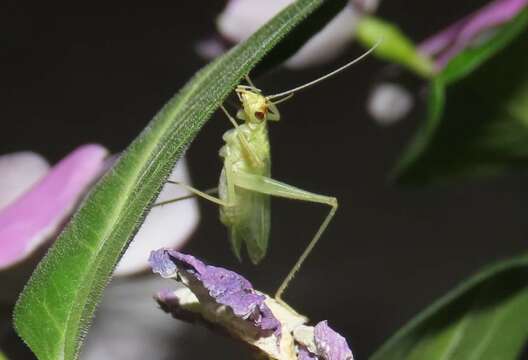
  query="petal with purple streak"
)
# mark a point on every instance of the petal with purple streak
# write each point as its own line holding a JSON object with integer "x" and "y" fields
{"x": 224, "y": 286}
{"x": 451, "y": 41}
{"x": 162, "y": 264}
{"x": 37, "y": 214}
{"x": 330, "y": 345}
{"x": 305, "y": 354}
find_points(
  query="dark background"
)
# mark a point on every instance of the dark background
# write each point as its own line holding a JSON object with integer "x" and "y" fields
{"x": 73, "y": 74}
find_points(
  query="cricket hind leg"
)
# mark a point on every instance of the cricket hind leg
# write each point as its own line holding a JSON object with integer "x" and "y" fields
{"x": 185, "y": 197}
{"x": 195, "y": 192}
{"x": 266, "y": 185}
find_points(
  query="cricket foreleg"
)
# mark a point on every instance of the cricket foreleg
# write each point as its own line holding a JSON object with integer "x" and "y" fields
{"x": 254, "y": 158}
{"x": 273, "y": 187}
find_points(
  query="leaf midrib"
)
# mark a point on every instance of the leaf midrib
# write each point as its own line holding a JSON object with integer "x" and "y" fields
{"x": 117, "y": 213}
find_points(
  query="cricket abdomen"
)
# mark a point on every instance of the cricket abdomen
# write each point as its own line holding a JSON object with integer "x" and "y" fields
{"x": 247, "y": 216}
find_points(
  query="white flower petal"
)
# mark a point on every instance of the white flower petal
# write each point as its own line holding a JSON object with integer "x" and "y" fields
{"x": 20, "y": 171}
{"x": 241, "y": 18}
{"x": 329, "y": 43}
{"x": 165, "y": 226}
{"x": 210, "y": 48}
{"x": 367, "y": 6}
{"x": 388, "y": 103}
{"x": 129, "y": 325}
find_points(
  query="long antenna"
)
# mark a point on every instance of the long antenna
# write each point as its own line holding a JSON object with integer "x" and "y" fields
{"x": 330, "y": 74}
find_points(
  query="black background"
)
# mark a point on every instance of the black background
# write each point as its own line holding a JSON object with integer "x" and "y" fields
{"x": 78, "y": 73}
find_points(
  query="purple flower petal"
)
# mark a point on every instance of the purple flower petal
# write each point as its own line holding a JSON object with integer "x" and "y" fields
{"x": 210, "y": 290}
{"x": 451, "y": 41}
{"x": 226, "y": 302}
{"x": 162, "y": 264}
{"x": 225, "y": 287}
{"x": 330, "y": 345}
{"x": 35, "y": 216}
{"x": 305, "y": 354}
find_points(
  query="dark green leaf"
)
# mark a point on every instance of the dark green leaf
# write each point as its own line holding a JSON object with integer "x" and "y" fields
{"x": 484, "y": 318}
{"x": 477, "y": 117}
{"x": 55, "y": 309}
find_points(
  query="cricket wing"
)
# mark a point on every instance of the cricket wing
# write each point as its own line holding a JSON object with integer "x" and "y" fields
{"x": 253, "y": 226}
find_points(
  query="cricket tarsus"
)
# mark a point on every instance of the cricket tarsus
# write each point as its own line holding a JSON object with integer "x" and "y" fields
{"x": 307, "y": 251}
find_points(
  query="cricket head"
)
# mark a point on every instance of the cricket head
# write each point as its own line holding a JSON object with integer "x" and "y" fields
{"x": 255, "y": 106}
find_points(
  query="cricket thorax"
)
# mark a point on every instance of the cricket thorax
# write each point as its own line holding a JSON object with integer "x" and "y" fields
{"x": 236, "y": 153}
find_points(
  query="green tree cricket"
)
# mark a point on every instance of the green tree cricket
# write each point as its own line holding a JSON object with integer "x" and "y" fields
{"x": 245, "y": 184}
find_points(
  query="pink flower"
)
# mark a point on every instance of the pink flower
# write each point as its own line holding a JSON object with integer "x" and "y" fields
{"x": 36, "y": 201}
{"x": 389, "y": 102}
{"x": 449, "y": 42}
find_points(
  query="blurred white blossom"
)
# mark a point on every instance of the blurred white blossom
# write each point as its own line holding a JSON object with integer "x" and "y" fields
{"x": 389, "y": 102}
{"x": 241, "y": 18}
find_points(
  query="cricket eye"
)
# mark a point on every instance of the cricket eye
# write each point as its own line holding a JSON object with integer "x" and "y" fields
{"x": 259, "y": 115}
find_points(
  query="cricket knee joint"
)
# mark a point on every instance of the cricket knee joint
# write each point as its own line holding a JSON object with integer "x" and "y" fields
{"x": 332, "y": 202}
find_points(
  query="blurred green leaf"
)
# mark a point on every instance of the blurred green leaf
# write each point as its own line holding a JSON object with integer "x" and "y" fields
{"x": 395, "y": 46}
{"x": 485, "y": 317}
{"x": 2, "y": 356}
{"x": 57, "y": 305}
{"x": 477, "y": 113}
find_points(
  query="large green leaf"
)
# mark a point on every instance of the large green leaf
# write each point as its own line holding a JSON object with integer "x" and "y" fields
{"x": 55, "y": 308}
{"x": 477, "y": 118}
{"x": 484, "y": 318}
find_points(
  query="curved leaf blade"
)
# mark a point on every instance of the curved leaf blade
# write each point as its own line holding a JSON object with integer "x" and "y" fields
{"x": 477, "y": 118}
{"x": 484, "y": 318}
{"x": 55, "y": 309}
